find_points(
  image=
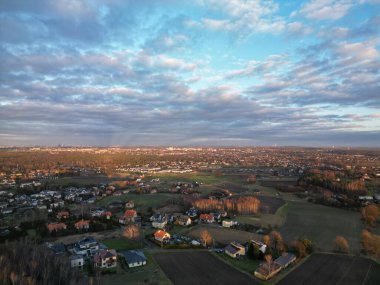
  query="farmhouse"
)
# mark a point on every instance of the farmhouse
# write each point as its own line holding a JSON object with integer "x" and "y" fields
{"x": 133, "y": 258}
{"x": 228, "y": 224}
{"x": 105, "y": 258}
{"x": 161, "y": 235}
{"x": 183, "y": 220}
{"x": 55, "y": 227}
{"x": 128, "y": 217}
{"x": 82, "y": 225}
{"x": 87, "y": 247}
{"x": 261, "y": 245}
{"x": 234, "y": 249}
{"x": 285, "y": 260}
{"x": 63, "y": 215}
{"x": 206, "y": 218}
{"x": 267, "y": 270}
{"x": 77, "y": 261}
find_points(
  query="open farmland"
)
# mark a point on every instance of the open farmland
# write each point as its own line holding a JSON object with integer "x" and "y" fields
{"x": 199, "y": 267}
{"x": 224, "y": 235}
{"x": 321, "y": 224}
{"x": 325, "y": 269}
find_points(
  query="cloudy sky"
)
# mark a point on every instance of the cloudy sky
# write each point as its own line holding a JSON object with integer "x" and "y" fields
{"x": 200, "y": 72}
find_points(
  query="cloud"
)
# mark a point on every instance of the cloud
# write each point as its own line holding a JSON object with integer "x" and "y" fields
{"x": 326, "y": 9}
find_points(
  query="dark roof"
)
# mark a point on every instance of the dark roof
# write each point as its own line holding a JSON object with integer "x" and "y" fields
{"x": 133, "y": 256}
{"x": 285, "y": 259}
{"x": 231, "y": 249}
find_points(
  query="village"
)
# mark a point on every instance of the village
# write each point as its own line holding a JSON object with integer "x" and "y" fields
{"x": 244, "y": 220}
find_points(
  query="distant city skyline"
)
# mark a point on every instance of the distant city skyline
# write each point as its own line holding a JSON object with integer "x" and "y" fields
{"x": 190, "y": 73}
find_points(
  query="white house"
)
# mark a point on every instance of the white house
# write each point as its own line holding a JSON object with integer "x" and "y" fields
{"x": 76, "y": 261}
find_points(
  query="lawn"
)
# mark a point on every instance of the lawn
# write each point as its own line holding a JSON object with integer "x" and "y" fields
{"x": 121, "y": 244}
{"x": 321, "y": 224}
{"x": 243, "y": 263}
{"x": 223, "y": 235}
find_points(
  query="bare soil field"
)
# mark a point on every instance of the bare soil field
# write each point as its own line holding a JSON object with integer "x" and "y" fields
{"x": 325, "y": 269}
{"x": 199, "y": 267}
{"x": 224, "y": 235}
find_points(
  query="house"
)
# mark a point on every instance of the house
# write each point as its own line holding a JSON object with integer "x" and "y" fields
{"x": 87, "y": 247}
{"x": 267, "y": 270}
{"x": 133, "y": 258}
{"x": 228, "y": 224}
{"x": 192, "y": 212}
{"x": 105, "y": 258}
{"x": 261, "y": 245}
{"x": 234, "y": 249}
{"x": 107, "y": 215}
{"x": 183, "y": 220}
{"x": 160, "y": 223}
{"x": 128, "y": 217}
{"x": 82, "y": 225}
{"x": 55, "y": 227}
{"x": 206, "y": 218}
{"x": 129, "y": 205}
{"x": 161, "y": 235}
{"x": 76, "y": 261}
{"x": 63, "y": 215}
{"x": 285, "y": 260}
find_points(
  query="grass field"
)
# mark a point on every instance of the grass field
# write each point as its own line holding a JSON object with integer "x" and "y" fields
{"x": 265, "y": 220}
{"x": 199, "y": 267}
{"x": 321, "y": 224}
{"x": 80, "y": 180}
{"x": 243, "y": 263}
{"x": 326, "y": 269}
{"x": 224, "y": 235}
{"x": 121, "y": 244}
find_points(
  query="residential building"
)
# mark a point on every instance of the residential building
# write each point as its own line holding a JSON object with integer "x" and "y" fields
{"x": 106, "y": 258}
{"x": 234, "y": 249}
{"x": 133, "y": 258}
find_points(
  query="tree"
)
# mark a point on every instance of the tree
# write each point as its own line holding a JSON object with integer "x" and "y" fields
{"x": 277, "y": 240}
{"x": 205, "y": 237}
{"x": 308, "y": 245}
{"x": 371, "y": 243}
{"x": 371, "y": 215}
{"x": 299, "y": 248}
{"x": 266, "y": 240}
{"x": 268, "y": 260}
{"x": 341, "y": 244}
{"x": 131, "y": 232}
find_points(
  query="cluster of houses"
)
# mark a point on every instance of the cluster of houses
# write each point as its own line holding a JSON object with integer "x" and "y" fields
{"x": 267, "y": 269}
{"x": 90, "y": 251}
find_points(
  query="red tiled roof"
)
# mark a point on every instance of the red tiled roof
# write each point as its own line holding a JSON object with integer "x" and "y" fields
{"x": 130, "y": 213}
{"x": 160, "y": 234}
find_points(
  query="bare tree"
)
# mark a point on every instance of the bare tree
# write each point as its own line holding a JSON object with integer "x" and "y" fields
{"x": 131, "y": 232}
{"x": 268, "y": 258}
{"x": 205, "y": 237}
{"x": 266, "y": 240}
{"x": 341, "y": 244}
{"x": 300, "y": 248}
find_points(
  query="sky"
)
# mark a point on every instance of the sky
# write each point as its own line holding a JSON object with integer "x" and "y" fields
{"x": 190, "y": 73}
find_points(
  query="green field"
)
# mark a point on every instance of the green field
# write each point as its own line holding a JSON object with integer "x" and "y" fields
{"x": 322, "y": 224}
{"x": 243, "y": 263}
{"x": 121, "y": 244}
